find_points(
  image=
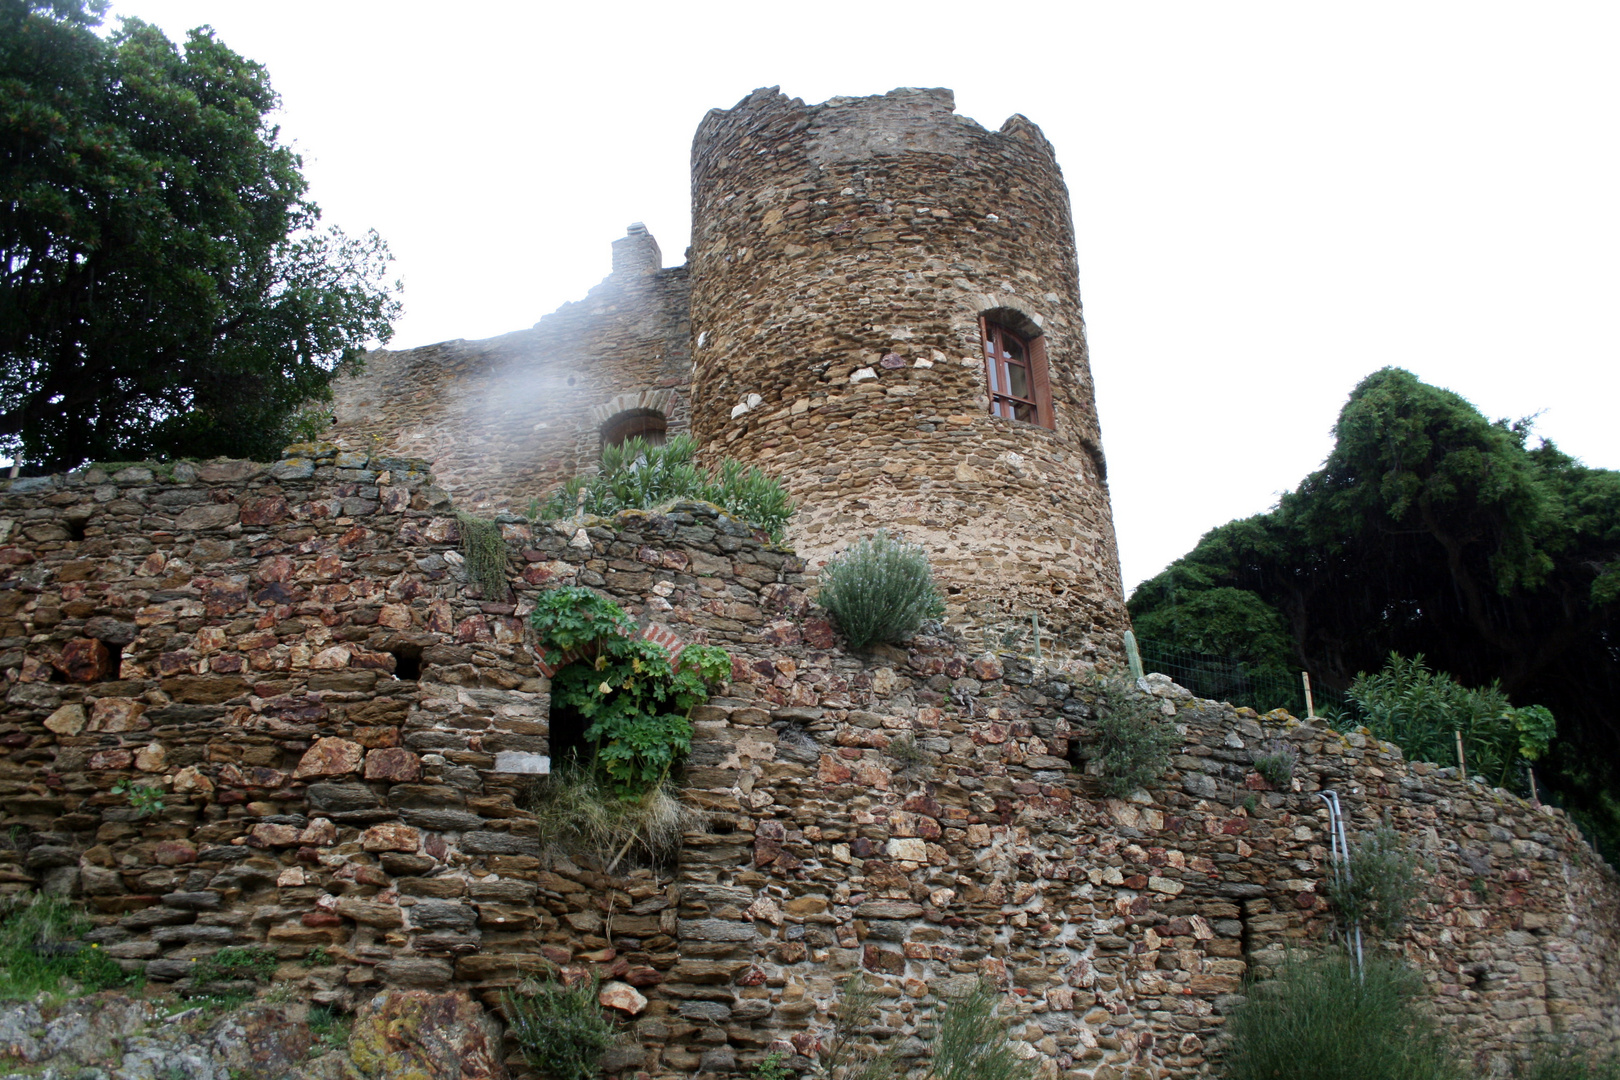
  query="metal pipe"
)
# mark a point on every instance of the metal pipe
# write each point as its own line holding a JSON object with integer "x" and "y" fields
{"x": 1339, "y": 853}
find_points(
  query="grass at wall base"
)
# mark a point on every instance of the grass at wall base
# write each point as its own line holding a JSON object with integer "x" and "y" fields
{"x": 1317, "y": 1019}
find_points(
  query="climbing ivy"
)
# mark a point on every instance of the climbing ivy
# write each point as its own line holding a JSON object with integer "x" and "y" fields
{"x": 484, "y": 549}
{"x": 634, "y": 695}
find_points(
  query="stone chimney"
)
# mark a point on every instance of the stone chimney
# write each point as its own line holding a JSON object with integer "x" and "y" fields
{"x": 636, "y": 253}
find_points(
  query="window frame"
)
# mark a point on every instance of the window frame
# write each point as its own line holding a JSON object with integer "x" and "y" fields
{"x": 998, "y": 362}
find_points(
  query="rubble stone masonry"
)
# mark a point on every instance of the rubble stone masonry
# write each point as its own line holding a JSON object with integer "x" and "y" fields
{"x": 505, "y": 420}
{"x": 291, "y": 655}
{"x": 842, "y": 256}
{"x": 826, "y": 329}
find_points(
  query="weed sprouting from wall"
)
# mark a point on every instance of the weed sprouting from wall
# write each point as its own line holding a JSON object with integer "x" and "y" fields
{"x": 880, "y": 589}
{"x": 1381, "y": 883}
{"x": 914, "y": 762}
{"x": 973, "y": 1043}
{"x": 1276, "y": 764}
{"x": 579, "y": 816}
{"x": 560, "y": 1029}
{"x": 484, "y": 549}
{"x": 847, "y": 1051}
{"x": 40, "y": 951}
{"x": 1568, "y": 1060}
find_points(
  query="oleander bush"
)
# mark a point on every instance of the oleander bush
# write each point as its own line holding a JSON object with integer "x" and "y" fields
{"x": 638, "y": 475}
{"x": 1424, "y": 711}
{"x": 880, "y": 589}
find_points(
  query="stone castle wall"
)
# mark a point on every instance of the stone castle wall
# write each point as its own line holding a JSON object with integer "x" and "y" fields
{"x": 506, "y": 419}
{"x": 232, "y": 634}
{"x": 842, "y": 255}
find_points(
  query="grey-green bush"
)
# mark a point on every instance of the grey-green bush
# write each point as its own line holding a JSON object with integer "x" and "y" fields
{"x": 1568, "y": 1060}
{"x": 1317, "y": 1020}
{"x": 1381, "y": 885}
{"x": 880, "y": 589}
{"x": 973, "y": 1043}
{"x": 1131, "y": 739}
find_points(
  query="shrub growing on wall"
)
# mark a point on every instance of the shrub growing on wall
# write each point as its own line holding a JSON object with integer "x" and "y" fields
{"x": 637, "y": 475}
{"x": 1423, "y": 711}
{"x": 560, "y": 1029}
{"x": 1319, "y": 1019}
{"x": 1380, "y": 884}
{"x": 880, "y": 589}
{"x": 1131, "y": 739}
{"x": 634, "y": 695}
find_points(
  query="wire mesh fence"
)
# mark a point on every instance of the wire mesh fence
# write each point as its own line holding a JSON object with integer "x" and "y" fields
{"x": 1225, "y": 678}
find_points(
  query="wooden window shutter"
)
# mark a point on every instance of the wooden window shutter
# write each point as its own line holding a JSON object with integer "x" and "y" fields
{"x": 1039, "y": 375}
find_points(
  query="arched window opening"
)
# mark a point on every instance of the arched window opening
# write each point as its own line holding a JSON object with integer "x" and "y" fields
{"x": 650, "y": 425}
{"x": 1016, "y": 373}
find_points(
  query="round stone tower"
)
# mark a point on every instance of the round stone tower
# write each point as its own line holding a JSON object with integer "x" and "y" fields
{"x": 886, "y": 316}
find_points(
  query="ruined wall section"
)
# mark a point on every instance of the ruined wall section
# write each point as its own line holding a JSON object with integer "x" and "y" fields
{"x": 503, "y": 420}
{"x": 842, "y": 254}
{"x": 232, "y": 634}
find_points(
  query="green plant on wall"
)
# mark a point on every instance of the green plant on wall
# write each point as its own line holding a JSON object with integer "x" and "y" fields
{"x": 144, "y": 799}
{"x": 638, "y": 475}
{"x": 560, "y": 1029}
{"x": 1320, "y": 1018}
{"x": 1425, "y": 711}
{"x": 1381, "y": 884}
{"x": 633, "y": 694}
{"x": 973, "y": 1043}
{"x": 880, "y": 589}
{"x": 1131, "y": 739}
{"x": 40, "y": 950}
{"x": 484, "y": 549}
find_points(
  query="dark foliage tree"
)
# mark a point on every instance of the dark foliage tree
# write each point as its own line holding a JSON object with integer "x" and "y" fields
{"x": 1430, "y": 529}
{"x": 164, "y": 289}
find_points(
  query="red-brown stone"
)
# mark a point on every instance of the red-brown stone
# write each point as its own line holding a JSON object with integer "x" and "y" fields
{"x": 86, "y": 660}
{"x": 330, "y": 757}
{"x": 394, "y": 764}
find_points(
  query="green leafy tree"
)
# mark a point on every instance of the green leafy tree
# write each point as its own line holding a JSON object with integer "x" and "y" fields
{"x": 1431, "y": 529}
{"x": 164, "y": 287}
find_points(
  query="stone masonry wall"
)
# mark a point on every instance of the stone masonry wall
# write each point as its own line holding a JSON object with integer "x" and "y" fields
{"x": 235, "y": 635}
{"x": 842, "y": 255}
{"x": 504, "y": 420}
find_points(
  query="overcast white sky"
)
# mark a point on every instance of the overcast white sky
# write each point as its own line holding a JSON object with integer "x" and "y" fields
{"x": 1272, "y": 200}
